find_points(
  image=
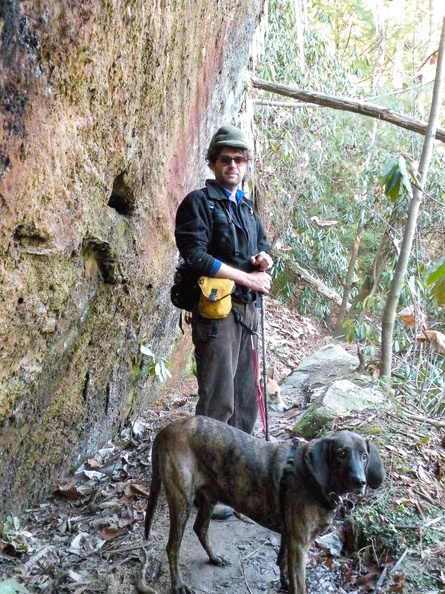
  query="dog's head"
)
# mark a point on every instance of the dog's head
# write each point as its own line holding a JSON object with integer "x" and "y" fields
{"x": 276, "y": 403}
{"x": 344, "y": 463}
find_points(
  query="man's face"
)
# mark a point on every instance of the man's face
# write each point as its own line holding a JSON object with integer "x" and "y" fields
{"x": 228, "y": 173}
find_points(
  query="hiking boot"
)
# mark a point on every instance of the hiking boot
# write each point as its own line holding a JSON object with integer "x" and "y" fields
{"x": 222, "y": 512}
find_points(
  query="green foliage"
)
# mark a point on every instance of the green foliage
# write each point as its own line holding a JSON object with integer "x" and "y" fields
{"x": 157, "y": 369}
{"x": 319, "y": 162}
{"x": 395, "y": 179}
{"x": 363, "y": 332}
{"x": 12, "y": 524}
{"x": 17, "y": 538}
{"x": 392, "y": 528}
{"x": 436, "y": 280}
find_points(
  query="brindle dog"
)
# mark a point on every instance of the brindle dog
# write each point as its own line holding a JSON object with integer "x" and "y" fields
{"x": 293, "y": 489}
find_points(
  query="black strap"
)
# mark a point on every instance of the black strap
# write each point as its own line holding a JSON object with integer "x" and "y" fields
{"x": 187, "y": 318}
{"x": 289, "y": 468}
{"x": 232, "y": 224}
{"x": 213, "y": 330}
{"x": 230, "y": 220}
{"x": 240, "y": 320}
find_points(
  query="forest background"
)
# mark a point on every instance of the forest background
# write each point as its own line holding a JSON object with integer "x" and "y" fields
{"x": 336, "y": 186}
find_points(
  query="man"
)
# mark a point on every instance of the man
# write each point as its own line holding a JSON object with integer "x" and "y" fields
{"x": 219, "y": 235}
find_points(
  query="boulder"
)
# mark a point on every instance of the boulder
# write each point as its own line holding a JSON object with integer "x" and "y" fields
{"x": 332, "y": 388}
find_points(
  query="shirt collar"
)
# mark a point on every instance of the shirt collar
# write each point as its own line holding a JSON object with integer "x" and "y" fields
{"x": 239, "y": 194}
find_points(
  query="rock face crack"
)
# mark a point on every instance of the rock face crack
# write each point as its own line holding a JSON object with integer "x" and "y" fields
{"x": 122, "y": 197}
{"x": 31, "y": 240}
{"x": 98, "y": 257}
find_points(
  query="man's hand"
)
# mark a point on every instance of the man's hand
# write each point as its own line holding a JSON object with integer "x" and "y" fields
{"x": 262, "y": 261}
{"x": 259, "y": 282}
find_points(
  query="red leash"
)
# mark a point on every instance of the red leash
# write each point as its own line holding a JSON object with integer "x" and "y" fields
{"x": 259, "y": 393}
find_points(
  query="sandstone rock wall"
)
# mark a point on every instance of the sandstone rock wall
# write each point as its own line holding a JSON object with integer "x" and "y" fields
{"x": 106, "y": 109}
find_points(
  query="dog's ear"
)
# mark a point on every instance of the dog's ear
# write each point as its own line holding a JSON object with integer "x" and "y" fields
{"x": 317, "y": 459}
{"x": 375, "y": 471}
{"x": 270, "y": 373}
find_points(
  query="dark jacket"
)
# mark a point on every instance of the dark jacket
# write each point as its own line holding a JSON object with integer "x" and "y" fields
{"x": 207, "y": 230}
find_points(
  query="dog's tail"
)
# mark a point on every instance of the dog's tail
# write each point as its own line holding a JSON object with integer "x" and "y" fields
{"x": 155, "y": 489}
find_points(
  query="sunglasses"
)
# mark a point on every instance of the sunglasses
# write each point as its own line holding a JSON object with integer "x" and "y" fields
{"x": 238, "y": 160}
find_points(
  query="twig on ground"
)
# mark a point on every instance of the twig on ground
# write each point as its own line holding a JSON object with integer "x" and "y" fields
{"x": 245, "y": 579}
{"x": 255, "y": 551}
{"x": 141, "y": 585}
{"x": 121, "y": 550}
{"x": 381, "y": 580}
{"x": 422, "y": 419}
{"x": 392, "y": 571}
{"x": 400, "y": 561}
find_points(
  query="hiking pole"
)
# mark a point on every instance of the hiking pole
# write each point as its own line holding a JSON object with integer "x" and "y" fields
{"x": 263, "y": 341}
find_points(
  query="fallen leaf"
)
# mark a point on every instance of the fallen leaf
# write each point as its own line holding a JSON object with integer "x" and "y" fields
{"x": 70, "y": 491}
{"x": 133, "y": 489}
{"x": 422, "y": 475}
{"x": 93, "y": 464}
{"x": 413, "y": 317}
{"x": 437, "y": 339}
{"x": 406, "y": 502}
{"x": 109, "y": 533}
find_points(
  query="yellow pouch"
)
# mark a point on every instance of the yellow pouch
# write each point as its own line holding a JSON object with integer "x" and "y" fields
{"x": 215, "y": 301}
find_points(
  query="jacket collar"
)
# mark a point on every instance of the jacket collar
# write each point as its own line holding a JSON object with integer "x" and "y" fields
{"x": 216, "y": 192}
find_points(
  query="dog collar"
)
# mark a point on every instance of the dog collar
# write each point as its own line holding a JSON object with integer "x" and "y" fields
{"x": 296, "y": 443}
{"x": 336, "y": 501}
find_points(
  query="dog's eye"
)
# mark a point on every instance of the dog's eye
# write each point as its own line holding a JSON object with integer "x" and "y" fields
{"x": 364, "y": 456}
{"x": 342, "y": 454}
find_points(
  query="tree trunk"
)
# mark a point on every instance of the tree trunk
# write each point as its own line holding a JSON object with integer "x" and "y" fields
{"x": 380, "y": 263}
{"x": 389, "y": 313}
{"x": 299, "y": 28}
{"x": 354, "y": 253}
{"x": 344, "y": 104}
{"x": 338, "y": 331}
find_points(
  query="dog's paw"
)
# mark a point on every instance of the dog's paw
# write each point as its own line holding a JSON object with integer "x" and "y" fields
{"x": 183, "y": 589}
{"x": 219, "y": 560}
{"x": 284, "y": 582}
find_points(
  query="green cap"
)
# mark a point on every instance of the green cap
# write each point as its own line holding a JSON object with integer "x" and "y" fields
{"x": 230, "y": 136}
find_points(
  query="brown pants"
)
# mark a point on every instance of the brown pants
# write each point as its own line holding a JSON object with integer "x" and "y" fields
{"x": 225, "y": 369}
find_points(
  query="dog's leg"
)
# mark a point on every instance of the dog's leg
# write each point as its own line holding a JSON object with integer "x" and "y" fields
{"x": 296, "y": 561}
{"x": 179, "y": 509}
{"x": 292, "y": 562}
{"x": 282, "y": 563}
{"x": 295, "y": 539}
{"x": 178, "y": 482}
{"x": 201, "y": 528}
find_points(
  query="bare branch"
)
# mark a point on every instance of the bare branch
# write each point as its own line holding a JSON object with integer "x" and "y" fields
{"x": 343, "y": 104}
{"x": 308, "y": 278}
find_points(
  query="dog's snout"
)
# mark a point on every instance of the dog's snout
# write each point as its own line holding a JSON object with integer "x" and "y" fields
{"x": 358, "y": 482}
